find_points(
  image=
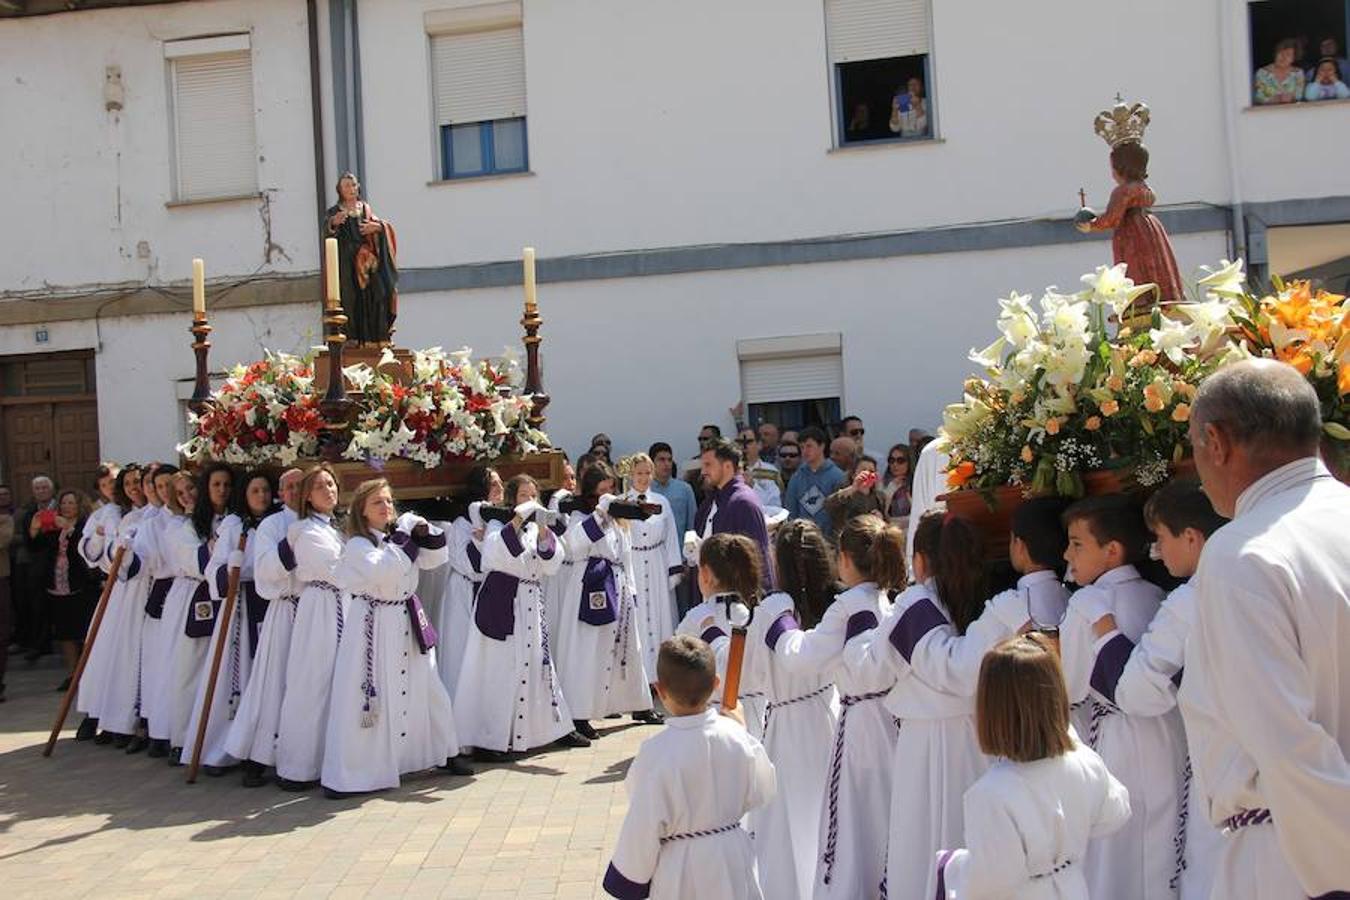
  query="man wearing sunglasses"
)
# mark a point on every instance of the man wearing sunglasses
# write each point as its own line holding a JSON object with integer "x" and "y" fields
{"x": 852, "y": 427}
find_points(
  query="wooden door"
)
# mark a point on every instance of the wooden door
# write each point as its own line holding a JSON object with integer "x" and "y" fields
{"x": 75, "y": 445}
{"x": 28, "y": 446}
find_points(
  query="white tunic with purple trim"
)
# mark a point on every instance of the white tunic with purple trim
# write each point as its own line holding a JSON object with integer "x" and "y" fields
{"x": 656, "y": 557}
{"x": 237, "y": 656}
{"x": 454, "y": 623}
{"x": 853, "y": 817}
{"x": 555, "y": 586}
{"x": 599, "y": 648}
{"x": 389, "y": 713}
{"x": 708, "y": 621}
{"x": 96, "y": 551}
{"x": 1147, "y": 753}
{"x": 1027, "y": 829}
{"x": 184, "y": 657}
{"x": 253, "y": 733}
{"x": 688, "y": 788}
{"x": 148, "y": 549}
{"x": 802, "y": 711}
{"x": 510, "y": 697}
{"x": 116, "y": 653}
{"x": 310, "y": 551}
{"x": 937, "y": 755}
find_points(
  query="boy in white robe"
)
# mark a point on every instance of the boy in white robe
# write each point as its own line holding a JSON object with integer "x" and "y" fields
{"x": 1148, "y": 754}
{"x": 1143, "y": 679}
{"x": 688, "y": 787}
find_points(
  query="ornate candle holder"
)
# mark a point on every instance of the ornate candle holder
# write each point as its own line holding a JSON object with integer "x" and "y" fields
{"x": 201, "y": 389}
{"x": 534, "y": 375}
{"x": 335, "y": 405}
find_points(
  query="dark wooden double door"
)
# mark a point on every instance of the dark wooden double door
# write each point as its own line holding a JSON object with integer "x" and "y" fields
{"x": 48, "y": 421}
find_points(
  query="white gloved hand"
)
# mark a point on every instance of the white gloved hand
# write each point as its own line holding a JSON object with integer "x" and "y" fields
{"x": 604, "y": 502}
{"x": 676, "y": 579}
{"x": 127, "y": 540}
{"x": 236, "y": 559}
{"x": 527, "y": 509}
{"x": 691, "y": 542}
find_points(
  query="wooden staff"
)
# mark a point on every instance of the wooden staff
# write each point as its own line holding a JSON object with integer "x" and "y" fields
{"x": 84, "y": 654}
{"x": 223, "y": 628}
{"x": 731, "y": 687}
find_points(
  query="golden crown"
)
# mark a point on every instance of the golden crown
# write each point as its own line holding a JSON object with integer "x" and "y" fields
{"x": 1122, "y": 123}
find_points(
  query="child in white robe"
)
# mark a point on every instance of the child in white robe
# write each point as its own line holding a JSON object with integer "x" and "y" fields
{"x": 708, "y": 621}
{"x": 689, "y": 787}
{"x": 509, "y": 698}
{"x": 311, "y": 550}
{"x": 599, "y": 648}
{"x": 851, "y": 861}
{"x": 252, "y": 735}
{"x": 1142, "y": 680}
{"x": 389, "y": 714}
{"x": 95, "y": 547}
{"x": 1147, "y": 753}
{"x": 1028, "y": 819}
{"x": 658, "y": 562}
{"x": 148, "y": 551}
{"x": 253, "y": 501}
{"x": 454, "y": 624}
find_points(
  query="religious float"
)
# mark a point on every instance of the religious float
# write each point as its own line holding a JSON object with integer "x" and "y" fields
{"x": 422, "y": 419}
{"x": 1089, "y": 393}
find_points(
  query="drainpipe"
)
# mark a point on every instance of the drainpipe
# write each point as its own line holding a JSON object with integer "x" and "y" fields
{"x": 1237, "y": 211}
{"x": 316, "y": 113}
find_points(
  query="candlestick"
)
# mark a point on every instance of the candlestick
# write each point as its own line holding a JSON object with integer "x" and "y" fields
{"x": 531, "y": 300}
{"x": 198, "y": 289}
{"x": 330, "y": 247}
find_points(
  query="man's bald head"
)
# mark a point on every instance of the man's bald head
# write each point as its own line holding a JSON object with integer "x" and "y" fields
{"x": 287, "y": 485}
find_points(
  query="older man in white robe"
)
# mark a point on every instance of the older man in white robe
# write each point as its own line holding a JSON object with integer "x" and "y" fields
{"x": 1266, "y": 689}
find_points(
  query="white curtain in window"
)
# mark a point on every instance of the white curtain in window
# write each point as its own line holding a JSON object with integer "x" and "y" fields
{"x": 213, "y": 117}
{"x": 479, "y": 76}
{"x": 876, "y": 29}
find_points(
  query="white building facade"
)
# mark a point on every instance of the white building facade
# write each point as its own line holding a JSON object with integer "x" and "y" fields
{"x": 719, "y": 204}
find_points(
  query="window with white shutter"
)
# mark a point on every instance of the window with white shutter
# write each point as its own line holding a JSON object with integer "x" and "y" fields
{"x": 478, "y": 86}
{"x": 881, "y": 62}
{"x": 211, "y": 97}
{"x": 792, "y": 381}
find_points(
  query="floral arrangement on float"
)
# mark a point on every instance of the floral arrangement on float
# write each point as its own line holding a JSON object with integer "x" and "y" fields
{"x": 1061, "y": 397}
{"x": 452, "y": 408}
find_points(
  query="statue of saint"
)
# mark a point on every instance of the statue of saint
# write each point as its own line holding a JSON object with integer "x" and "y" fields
{"x": 367, "y": 254}
{"x": 1139, "y": 239}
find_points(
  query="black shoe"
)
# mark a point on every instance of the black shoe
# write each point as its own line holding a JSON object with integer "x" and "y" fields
{"x": 105, "y": 737}
{"x": 585, "y": 730}
{"x": 87, "y": 730}
{"x": 455, "y": 766}
{"x": 614, "y": 716}
{"x": 2, "y": 693}
{"x": 573, "y": 739}
{"x": 341, "y": 795}
{"x": 137, "y": 744}
{"x": 176, "y": 757}
{"x": 216, "y": 771}
{"x": 63, "y": 686}
{"x": 253, "y": 774}
{"x": 295, "y": 787}
{"x": 158, "y": 749}
{"x": 482, "y": 754}
{"x": 649, "y": 717}
{"x": 120, "y": 741}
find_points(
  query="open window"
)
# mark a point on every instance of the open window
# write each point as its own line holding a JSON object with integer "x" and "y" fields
{"x": 1290, "y": 39}
{"x": 881, "y": 65}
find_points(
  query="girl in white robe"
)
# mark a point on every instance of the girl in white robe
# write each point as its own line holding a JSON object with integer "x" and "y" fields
{"x": 1028, "y": 819}
{"x": 310, "y": 551}
{"x": 253, "y": 502}
{"x": 851, "y": 831}
{"x": 454, "y": 624}
{"x": 148, "y": 551}
{"x": 190, "y": 610}
{"x": 388, "y": 714}
{"x": 658, "y": 563}
{"x": 599, "y": 648}
{"x": 510, "y": 644}
{"x": 253, "y": 733}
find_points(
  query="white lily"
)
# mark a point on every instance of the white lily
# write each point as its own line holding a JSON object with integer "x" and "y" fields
{"x": 1016, "y": 320}
{"x": 990, "y": 357}
{"x": 1225, "y": 280}
{"x": 1211, "y": 318}
{"x": 1281, "y": 336}
{"x": 1172, "y": 339}
{"x": 1112, "y": 287}
{"x": 387, "y": 358}
{"x": 359, "y": 375}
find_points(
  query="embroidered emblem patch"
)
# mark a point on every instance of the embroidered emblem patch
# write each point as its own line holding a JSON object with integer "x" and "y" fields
{"x": 203, "y": 611}
{"x": 599, "y": 599}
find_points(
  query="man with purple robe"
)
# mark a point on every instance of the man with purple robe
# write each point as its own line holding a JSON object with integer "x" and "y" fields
{"x": 733, "y": 506}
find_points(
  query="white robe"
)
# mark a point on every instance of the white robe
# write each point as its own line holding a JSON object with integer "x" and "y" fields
{"x": 253, "y": 733}
{"x": 1027, "y": 829}
{"x": 96, "y": 551}
{"x": 1147, "y": 686}
{"x": 555, "y": 586}
{"x": 236, "y": 656}
{"x": 857, "y": 803}
{"x": 707, "y": 621}
{"x": 509, "y": 696}
{"x": 184, "y": 657}
{"x": 601, "y": 665}
{"x": 1266, "y": 693}
{"x": 1147, "y": 754}
{"x": 454, "y": 623}
{"x": 701, "y": 773}
{"x": 656, "y": 557}
{"x": 937, "y": 755}
{"x": 929, "y": 484}
{"x": 116, "y": 654}
{"x": 802, "y": 710}
{"x": 389, "y": 713}
{"x": 313, "y": 545}
{"x": 148, "y": 548}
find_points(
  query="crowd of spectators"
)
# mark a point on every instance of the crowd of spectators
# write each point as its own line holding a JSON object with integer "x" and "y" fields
{"x": 1297, "y": 76}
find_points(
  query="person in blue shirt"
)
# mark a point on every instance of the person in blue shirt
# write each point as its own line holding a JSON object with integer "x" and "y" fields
{"x": 816, "y": 479}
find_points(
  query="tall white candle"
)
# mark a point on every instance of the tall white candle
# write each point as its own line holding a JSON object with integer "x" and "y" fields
{"x": 330, "y": 248}
{"x": 530, "y": 298}
{"x": 198, "y": 289}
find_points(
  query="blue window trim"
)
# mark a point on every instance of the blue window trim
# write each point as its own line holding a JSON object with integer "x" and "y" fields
{"x": 487, "y": 150}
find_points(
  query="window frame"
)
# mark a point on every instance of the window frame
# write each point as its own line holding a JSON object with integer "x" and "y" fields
{"x": 1248, "y": 89}
{"x": 487, "y": 149}
{"x": 841, "y": 125}
{"x": 175, "y": 50}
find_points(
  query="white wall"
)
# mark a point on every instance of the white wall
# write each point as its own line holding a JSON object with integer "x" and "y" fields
{"x": 83, "y": 186}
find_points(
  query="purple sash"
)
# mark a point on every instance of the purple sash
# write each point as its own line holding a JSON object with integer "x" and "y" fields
{"x": 202, "y": 611}
{"x": 255, "y": 609}
{"x": 599, "y": 593}
{"x": 159, "y": 590}
{"x": 494, "y": 611}
{"x": 423, "y": 630}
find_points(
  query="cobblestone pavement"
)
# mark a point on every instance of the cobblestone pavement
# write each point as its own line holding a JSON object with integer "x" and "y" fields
{"x": 91, "y": 821}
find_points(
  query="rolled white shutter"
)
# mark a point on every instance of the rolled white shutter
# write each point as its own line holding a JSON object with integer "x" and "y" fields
{"x": 792, "y": 378}
{"x": 479, "y": 76}
{"x": 214, "y": 125}
{"x": 876, "y": 29}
